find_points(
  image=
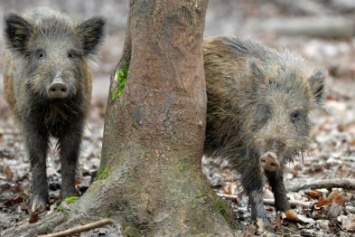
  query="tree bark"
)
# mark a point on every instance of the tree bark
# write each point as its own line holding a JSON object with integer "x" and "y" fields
{"x": 154, "y": 130}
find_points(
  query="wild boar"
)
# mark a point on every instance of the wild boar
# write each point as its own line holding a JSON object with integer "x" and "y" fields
{"x": 48, "y": 87}
{"x": 257, "y": 115}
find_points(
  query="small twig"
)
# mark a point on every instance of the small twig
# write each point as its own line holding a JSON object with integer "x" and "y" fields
{"x": 228, "y": 196}
{"x": 80, "y": 229}
{"x": 325, "y": 183}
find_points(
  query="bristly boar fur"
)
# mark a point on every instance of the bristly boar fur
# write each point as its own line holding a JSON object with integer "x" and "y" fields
{"x": 48, "y": 87}
{"x": 257, "y": 114}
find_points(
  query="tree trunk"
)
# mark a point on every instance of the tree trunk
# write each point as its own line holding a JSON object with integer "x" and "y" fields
{"x": 155, "y": 128}
{"x": 150, "y": 179}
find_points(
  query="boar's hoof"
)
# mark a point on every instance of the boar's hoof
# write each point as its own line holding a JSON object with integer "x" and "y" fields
{"x": 269, "y": 161}
{"x": 58, "y": 90}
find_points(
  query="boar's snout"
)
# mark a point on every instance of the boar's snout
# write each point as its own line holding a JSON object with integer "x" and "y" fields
{"x": 269, "y": 161}
{"x": 58, "y": 89}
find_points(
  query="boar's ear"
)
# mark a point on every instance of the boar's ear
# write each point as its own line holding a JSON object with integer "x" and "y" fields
{"x": 91, "y": 33}
{"x": 17, "y": 32}
{"x": 317, "y": 82}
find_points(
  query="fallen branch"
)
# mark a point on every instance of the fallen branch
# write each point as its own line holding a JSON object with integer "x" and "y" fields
{"x": 80, "y": 229}
{"x": 324, "y": 183}
{"x": 269, "y": 201}
{"x": 326, "y": 27}
{"x": 9, "y": 133}
{"x": 302, "y": 7}
{"x": 293, "y": 203}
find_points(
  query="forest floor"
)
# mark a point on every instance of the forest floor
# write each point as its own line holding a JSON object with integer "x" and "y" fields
{"x": 326, "y": 210}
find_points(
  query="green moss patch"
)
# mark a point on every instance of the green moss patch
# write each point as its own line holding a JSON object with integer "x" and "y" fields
{"x": 223, "y": 210}
{"x": 103, "y": 174}
{"x": 71, "y": 199}
{"x": 121, "y": 80}
{"x": 182, "y": 166}
{"x": 59, "y": 209}
{"x": 201, "y": 195}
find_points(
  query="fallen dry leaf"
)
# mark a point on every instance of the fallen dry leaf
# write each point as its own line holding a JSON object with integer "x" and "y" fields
{"x": 77, "y": 182}
{"x": 330, "y": 207}
{"x": 33, "y": 217}
{"x": 9, "y": 174}
{"x": 291, "y": 215}
{"x": 5, "y": 186}
{"x": 321, "y": 202}
{"x": 336, "y": 196}
{"x": 313, "y": 194}
{"x": 348, "y": 223}
{"x": 17, "y": 189}
{"x": 13, "y": 201}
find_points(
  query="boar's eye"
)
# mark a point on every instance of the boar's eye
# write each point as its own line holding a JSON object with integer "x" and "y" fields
{"x": 73, "y": 54}
{"x": 40, "y": 54}
{"x": 296, "y": 116}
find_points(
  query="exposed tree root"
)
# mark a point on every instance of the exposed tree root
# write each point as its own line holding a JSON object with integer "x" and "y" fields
{"x": 80, "y": 229}
{"x": 63, "y": 223}
{"x": 41, "y": 227}
{"x": 324, "y": 183}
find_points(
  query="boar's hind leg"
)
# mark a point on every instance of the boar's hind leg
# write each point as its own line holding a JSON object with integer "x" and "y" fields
{"x": 253, "y": 184}
{"x": 278, "y": 188}
{"x": 37, "y": 146}
{"x": 69, "y": 144}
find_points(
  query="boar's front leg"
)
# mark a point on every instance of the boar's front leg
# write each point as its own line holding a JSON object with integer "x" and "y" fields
{"x": 37, "y": 147}
{"x": 69, "y": 145}
{"x": 252, "y": 180}
{"x": 278, "y": 188}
